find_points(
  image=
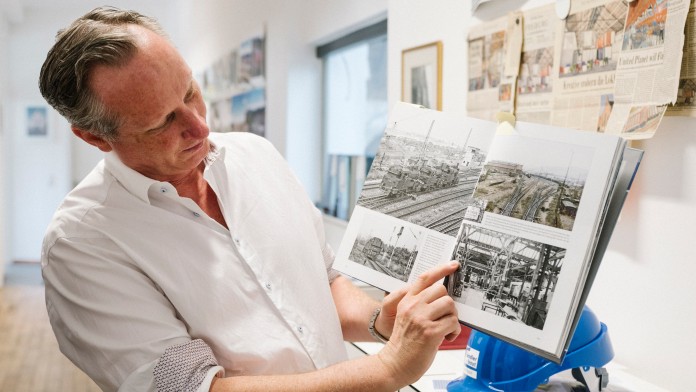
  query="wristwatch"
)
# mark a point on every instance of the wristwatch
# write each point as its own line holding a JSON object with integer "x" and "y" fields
{"x": 371, "y": 327}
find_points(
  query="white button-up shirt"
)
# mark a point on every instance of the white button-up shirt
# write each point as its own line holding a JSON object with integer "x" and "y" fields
{"x": 132, "y": 269}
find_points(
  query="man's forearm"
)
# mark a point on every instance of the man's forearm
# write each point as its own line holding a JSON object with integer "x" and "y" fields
{"x": 369, "y": 374}
{"x": 354, "y": 309}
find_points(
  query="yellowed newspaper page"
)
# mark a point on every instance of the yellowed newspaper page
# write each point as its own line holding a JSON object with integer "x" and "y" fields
{"x": 647, "y": 75}
{"x": 535, "y": 80}
{"x": 494, "y": 53}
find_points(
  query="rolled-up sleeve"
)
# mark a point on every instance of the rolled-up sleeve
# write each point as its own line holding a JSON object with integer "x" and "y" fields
{"x": 114, "y": 323}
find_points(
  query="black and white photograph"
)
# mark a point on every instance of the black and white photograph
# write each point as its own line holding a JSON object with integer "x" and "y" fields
{"x": 509, "y": 276}
{"x": 592, "y": 39}
{"x": 534, "y": 180}
{"x": 387, "y": 248}
{"x": 424, "y": 174}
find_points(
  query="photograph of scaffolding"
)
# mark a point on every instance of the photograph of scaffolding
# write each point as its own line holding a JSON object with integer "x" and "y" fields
{"x": 592, "y": 40}
{"x": 508, "y": 276}
{"x": 387, "y": 248}
{"x": 534, "y": 180}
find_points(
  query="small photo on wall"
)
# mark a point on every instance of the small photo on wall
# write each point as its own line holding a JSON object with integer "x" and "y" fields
{"x": 37, "y": 121}
{"x": 421, "y": 70}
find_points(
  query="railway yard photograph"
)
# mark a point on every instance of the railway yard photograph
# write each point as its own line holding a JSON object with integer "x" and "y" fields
{"x": 424, "y": 179}
{"x": 387, "y": 248}
{"x": 522, "y": 187}
{"x": 508, "y": 276}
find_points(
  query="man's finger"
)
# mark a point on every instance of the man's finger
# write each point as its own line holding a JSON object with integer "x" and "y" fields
{"x": 427, "y": 278}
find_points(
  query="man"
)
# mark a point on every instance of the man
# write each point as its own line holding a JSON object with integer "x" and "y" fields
{"x": 192, "y": 262}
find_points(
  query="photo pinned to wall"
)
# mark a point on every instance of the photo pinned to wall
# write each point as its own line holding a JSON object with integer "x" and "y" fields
{"x": 36, "y": 120}
{"x": 252, "y": 59}
{"x": 249, "y": 112}
{"x": 421, "y": 73}
{"x": 220, "y": 115}
{"x": 234, "y": 88}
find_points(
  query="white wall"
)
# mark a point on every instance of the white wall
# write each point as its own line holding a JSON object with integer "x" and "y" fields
{"x": 293, "y": 73}
{"x": 644, "y": 291}
{"x": 38, "y": 173}
{"x": 3, "y": 146}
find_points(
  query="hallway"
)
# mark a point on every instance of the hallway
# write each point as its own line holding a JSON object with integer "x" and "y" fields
{"x": 29, "y": 357}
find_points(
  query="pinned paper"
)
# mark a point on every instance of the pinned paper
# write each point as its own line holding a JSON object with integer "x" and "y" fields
{"x": 514, "y": 37}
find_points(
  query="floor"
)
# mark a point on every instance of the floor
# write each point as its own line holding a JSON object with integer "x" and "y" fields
{"x": 29, "y": 357}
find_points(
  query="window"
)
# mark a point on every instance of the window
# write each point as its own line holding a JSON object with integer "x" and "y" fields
{"x": 355, "y": 113}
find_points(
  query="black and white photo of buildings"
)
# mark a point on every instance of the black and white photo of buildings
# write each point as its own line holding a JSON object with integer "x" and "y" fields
{"x": 536, "y": 181}
{"x": 387, "y": 248}
{"x": 423, "y": 176}
{"x": 509, "y": 276}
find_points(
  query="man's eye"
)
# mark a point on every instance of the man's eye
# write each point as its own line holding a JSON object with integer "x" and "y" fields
{"x": 167, "y": 121}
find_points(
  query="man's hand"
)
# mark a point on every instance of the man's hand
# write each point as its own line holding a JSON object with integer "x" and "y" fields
{"x": 422, "y": 315}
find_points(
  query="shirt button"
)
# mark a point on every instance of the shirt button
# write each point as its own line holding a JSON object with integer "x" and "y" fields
{"x": 268, "y": 286}
{"x": 300, "y": 329}
{"x": 163, "y": 190}
{"x": 236, "y": 241}
{"x": 196, "y": 214}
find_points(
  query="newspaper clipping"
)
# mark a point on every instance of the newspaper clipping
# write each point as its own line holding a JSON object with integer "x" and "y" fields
{"x": 535, "y": 81}
{"x": 647, "y": 75}
{"x": 588, "y": 43}
{"x": 494, "y": 49}
{"x": 610, "y": 66}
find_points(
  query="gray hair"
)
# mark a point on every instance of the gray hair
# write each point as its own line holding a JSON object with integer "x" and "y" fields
{"x": 99, "y": 37}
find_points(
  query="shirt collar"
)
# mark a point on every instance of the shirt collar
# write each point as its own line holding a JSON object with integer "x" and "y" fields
{"x": 138, "y": 184}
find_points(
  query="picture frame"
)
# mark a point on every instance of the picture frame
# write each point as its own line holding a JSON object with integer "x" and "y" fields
{"x": 421, "y": 75}
{"x": 36, "y": 121}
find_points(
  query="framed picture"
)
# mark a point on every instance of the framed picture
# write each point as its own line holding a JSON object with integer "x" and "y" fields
{"x": 421, "y": 75}
{"x": 36, "y": 117}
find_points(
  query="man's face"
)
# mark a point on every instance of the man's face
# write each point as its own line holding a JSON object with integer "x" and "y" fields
{"x": 163, "y": 132}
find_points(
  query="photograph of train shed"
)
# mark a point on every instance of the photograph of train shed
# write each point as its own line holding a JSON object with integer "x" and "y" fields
{"x": 508, "y": 276}
{"x": 425, "y": 172}
{"x": 387, "y": 248}
{"x": 592, "y": 39}
{"x": 535, "y": 180}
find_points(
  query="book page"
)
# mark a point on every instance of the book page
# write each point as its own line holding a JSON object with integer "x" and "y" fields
{"x": 524, "y": 261}
{"x": 520, "y": 211}
{"x": 418, "y": 190}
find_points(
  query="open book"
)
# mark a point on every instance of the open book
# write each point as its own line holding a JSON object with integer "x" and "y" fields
{"x": 528, "y": 214}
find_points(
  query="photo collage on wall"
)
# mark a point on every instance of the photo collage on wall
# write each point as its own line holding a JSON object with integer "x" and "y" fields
{"x": 234, "y": 88}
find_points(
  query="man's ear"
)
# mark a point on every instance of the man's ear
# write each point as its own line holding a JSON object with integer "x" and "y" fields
{"x": 92, "y": 139}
